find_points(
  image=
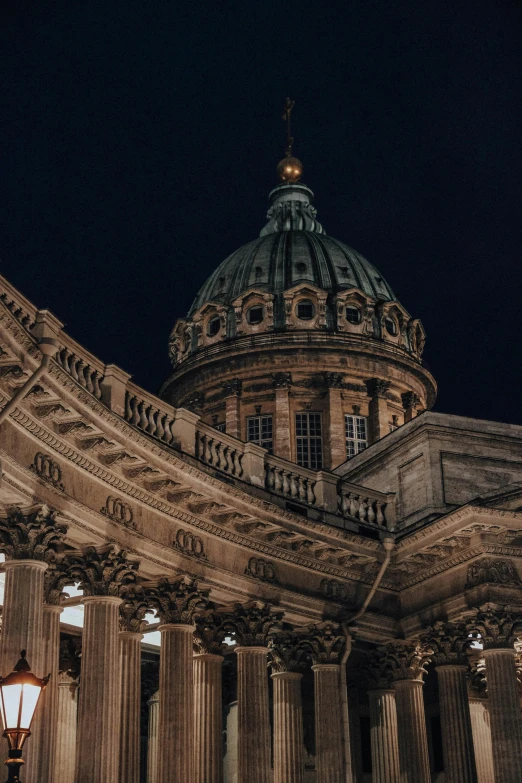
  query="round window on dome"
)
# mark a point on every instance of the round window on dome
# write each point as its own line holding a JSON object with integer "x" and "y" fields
{"x": 305, "y": 310}
{"x": 353, "y": 315}
{"x": 214, "y": 326}
{"x": 391, "y": 326}
{"x": 255, "y": 314}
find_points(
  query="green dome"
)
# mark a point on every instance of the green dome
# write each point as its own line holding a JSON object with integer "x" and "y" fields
{"x": 292, "y": 249}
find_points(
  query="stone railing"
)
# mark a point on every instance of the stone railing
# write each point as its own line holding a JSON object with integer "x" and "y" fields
{"x": 81, "y": 365}
{"x": 285, "y": 478}
{"x": 366, "y": 505}
{"x": 219, "y": 451}
{"x": 18, "y": 305}
{"x": 150, "y": 414}
{"x": 184, "y": 431}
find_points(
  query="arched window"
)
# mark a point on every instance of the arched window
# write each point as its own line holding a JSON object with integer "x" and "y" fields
{"x": 255, "y": 314}
{"x": 353, "y": 315}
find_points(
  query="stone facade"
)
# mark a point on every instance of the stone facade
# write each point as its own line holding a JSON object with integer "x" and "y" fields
{"x": 379, "y": 594}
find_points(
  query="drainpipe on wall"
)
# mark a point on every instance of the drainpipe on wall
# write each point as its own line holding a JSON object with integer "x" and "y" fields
{"x": 389, "y": 545}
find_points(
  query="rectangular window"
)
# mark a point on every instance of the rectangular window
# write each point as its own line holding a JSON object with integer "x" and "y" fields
{"x": 309, "y": 440}
{"x": 221, "y": 427}
{"x": 356, "y": 437}
{"x": 259, "y": 431}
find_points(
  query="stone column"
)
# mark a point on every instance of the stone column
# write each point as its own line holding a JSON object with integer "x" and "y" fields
{"x": 133, "y": 609}
{"x": 233, "y": 407}
{"x": 176, "y": 602}
{"x": 449, "y": 642}
{"x": 327, "y": 643}
{"x": 101, "y": 574}
{"x": 384, "y": 736}
{"x": 208, "y": 696}
{"x": 251, "y": 624}
{"x": 498, "y": 629}
{"x": 47, "y": 713}
{"x": 383, "y": 721}
{"x": 66, "y": 729}
{"x": 28, "y": 538}
{"x": 378, "y": 425}
{"x": 406, "y": 661}
{"x": 130, "y": 673}
{"x": 410, "y": 403}
{"x": 287, "y": 655}
{"x": 208, "y": 715}
{"x": 481, "y": 739}
{"x": 282, "y": 443}
{"x": 336, "y": 451}
{"x": 152, "y": 749}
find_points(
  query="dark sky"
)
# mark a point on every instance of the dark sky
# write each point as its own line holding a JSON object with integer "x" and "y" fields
{"x": 138, "y": 144}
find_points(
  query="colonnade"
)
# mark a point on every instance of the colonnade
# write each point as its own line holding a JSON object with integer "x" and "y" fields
{"x": 99, "y": 733}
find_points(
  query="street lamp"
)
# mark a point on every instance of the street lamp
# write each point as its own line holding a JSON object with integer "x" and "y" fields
{"x": 19, "y": 695}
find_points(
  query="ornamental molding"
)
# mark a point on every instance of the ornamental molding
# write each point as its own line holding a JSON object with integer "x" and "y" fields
{"x": 31, "y": 534}
{"x": 119, "y": 511}
{"x": 262, "y": 570}
{"x": 493, "y": 571}
{"x": 189, "y": 544}
{"x": 322, "y": 566}
{"x": 48, "y": 470}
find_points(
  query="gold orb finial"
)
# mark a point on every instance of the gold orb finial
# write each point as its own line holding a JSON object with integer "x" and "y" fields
{"x": 290, "y": 169}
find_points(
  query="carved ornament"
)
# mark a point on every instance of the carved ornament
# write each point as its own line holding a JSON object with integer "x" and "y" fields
{"x": 488, "y": 569}
{"x": 325, "y": 642}
{"x": 119, "y": 511}
{"x": 47, "y": 469}
{"x": 209, "y": 633}
{"x": 34, "y": 535}
{"x": 189, "y": 544}
{"x": 498, "y": 626}
{"x": 288, "y": 652}
{"x": 449, "y": 642}
{"x": 178, "y": 600}
{"x": 251, "y": 623}
{"x": 134, "y": 607}
{"x": 406, "y": 660}
{"x": 261, "y": 569}
{"x": 102, "y": 571}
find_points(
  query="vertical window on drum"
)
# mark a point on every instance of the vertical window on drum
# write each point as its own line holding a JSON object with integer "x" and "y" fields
{"x": 309, "y": 440}
{"x": 356, "y": 434}
{"x": 259, "y": 431}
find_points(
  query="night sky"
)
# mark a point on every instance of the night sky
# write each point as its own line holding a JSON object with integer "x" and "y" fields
{"x": 139, "y": 142}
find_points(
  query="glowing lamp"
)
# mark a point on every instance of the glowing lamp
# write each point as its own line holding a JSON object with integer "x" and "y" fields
{"x": 290, "y": 169}
{"x": 20, "y": 692}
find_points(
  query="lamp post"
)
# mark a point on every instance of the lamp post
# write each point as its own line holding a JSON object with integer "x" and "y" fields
{"x": 19, "y": 695}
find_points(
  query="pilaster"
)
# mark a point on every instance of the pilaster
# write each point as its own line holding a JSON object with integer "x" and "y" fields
{"x": 282, "y": 444}
{"x": 378, "y": 425}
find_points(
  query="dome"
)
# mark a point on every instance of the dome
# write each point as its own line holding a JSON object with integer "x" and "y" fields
{"x": 292, "y": 249}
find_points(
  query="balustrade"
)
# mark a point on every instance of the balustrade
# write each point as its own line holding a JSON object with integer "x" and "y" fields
{"x": 149, "y": 414}
{"x": 219, "y": 450}
{"x": 285, "y": 478}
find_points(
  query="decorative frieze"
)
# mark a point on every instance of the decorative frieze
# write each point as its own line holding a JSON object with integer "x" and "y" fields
{"x": 119, "y": 511}
{"x": 189, "y": 544}
{"x": 31, "y": 535}
{"x": 494, "y": 571}
{"x": 47, "y": 469}
{"x": 261, "y": 569}
{"x": 336, "y": 591}
{"x": 282, "y": 380}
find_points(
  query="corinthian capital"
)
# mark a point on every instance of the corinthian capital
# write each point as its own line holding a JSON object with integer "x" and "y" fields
{"x": 377, "y": 670}
{"x": 325, "y": 642}
{"x": 449, "y": 642}
{"x": 406, "y": 660}
{"x": 288, "y": 652}
{"x": 498, "y": 626}
{"x": 102, "y": 571}
{"x": 30, "y": 535}
{"x": 209, "y": 633}
{"x": 251, "y": 623}
{"x": 134, "y": 607}
{"x": 178, "y": 600}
